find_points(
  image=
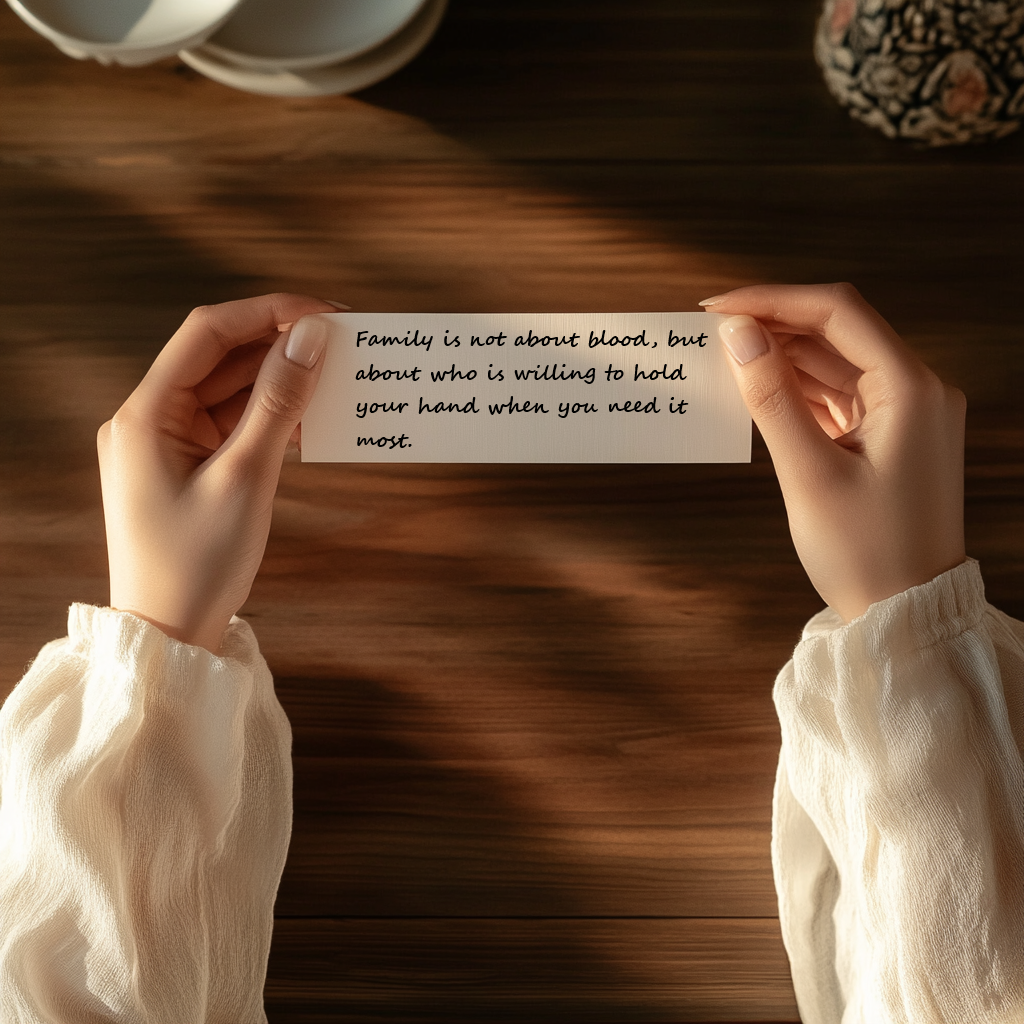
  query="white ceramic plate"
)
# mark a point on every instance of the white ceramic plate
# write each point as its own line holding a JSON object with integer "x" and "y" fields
{"x": 347, "y": 76}
{"x": 292, "y": 35}
{"x": 126, "y": 31}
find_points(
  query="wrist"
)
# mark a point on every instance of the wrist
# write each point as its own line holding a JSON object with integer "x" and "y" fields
{"x": 850, "y": 605}
{"x": 208, "y": 635}
{"x": 189, "y": 608}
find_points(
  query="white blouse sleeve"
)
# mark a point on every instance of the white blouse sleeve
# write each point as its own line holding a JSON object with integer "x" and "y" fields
{"x": 898, "y": 834}
{"x": 145, "y": 813}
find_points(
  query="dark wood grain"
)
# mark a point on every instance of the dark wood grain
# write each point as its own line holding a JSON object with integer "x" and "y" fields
{"x": 538, "y": 971}
{"x": 534, "y": 736}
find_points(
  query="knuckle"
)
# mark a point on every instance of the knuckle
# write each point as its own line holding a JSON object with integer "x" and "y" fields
{"x": 115, "y": 428}
{"x": 844, "y": 291}
{"x": 130, "y": 427}
{"x": 766, "y": 399}
{"x": 839, "y": 296}
{"x": 123, "y": 421}
{"x": 912, "y": 391}
{"x": 926, "y": 387}
{"x": 118, "y": 436}
{"x": 836, "y": 300}
{"x": 956, "y": 403}
{"x": 281, "y": 402}
{"x": 955, "y": 397}
{"x": 205, "y": 317}
{"x": 199, "y": 314}
{"x": 922, "y": 394}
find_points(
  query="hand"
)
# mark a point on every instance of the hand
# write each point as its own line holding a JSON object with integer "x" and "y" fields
{"x": 867, "y": 442}
{"x": 190, "y": 463}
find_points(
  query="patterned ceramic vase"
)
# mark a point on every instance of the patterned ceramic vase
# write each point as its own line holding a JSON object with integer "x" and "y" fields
{"x": 939, "y": 72}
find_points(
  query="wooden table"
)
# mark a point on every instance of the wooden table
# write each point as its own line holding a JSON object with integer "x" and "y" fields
{"x": 534, "y": 737}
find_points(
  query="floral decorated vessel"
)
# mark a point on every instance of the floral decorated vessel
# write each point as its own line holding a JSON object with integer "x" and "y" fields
{"x": 938, "y": 72}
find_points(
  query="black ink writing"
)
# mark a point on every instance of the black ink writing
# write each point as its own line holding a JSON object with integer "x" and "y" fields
{"x": 635, "y": 406}
{"x": 374, "y": 374}
{"x": 531, "y": 340}
{"x": 385, "y": 442}
{"x": 469, "y": 406}
{"x": 362, "y": 408}
{"x": 612, "y": 374}
{"x": 512, "y": 406}
{"x": 625, "y": 340}
{"x": 453, "y": 343}
{"x": 663, "y": 374}
{"x": 500, "y": 375}
{"x": 681, "y": 339}
{"x": 410, "y": 338}
{"x": 552, "y": 372}
{"x": 679, "y": 408}
{"x": 565, "y": 409}
{"x": 491, "y": 339}
{"x": 453, "y": 374}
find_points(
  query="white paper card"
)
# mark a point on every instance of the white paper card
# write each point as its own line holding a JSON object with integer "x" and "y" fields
{"x": 525, "y": 387}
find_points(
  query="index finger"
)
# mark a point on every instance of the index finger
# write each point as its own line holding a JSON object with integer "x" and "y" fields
{"x": 837, "y": 312}
{"x": 209, "y": 333}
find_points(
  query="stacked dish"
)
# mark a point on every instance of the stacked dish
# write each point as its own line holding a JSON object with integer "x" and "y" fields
{"x": 315, "y": 47}
{"x": 271, "y": 47}
{"x": 129, "y": 32}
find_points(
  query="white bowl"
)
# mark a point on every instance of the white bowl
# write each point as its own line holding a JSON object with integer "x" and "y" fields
{"x": 347, "y": 76}
{"x": 128, "y": 32}
{"x": 294, "y": 35}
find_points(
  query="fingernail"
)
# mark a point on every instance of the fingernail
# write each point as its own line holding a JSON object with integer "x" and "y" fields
{"x": 336, "y": 305}
{"x": 307, "y": 341}
{"x": 283, "y": 328}
{"x": 713, "y": 301}
{"x": 743, "y": 338}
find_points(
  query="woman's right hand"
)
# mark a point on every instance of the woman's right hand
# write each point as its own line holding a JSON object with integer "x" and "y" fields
{"x": 190, "y": 463}
{"x": 867, "y": 442}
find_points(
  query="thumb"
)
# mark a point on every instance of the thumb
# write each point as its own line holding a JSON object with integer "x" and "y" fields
{"x": 280, "y": 395}
{"x": 772, "y": 393}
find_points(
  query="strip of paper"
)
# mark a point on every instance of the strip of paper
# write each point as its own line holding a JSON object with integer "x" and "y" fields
{"x": 525, "y": 387}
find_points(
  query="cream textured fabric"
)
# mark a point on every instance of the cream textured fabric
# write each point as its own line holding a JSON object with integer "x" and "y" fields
{"x": 898, "y": 843}
{"x": 145, "y": 812}
{"x": 146, "y": 809}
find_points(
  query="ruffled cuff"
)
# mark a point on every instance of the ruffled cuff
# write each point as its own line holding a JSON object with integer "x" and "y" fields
{"x": 931, "y": 613}
{"x": 131, "y": 639}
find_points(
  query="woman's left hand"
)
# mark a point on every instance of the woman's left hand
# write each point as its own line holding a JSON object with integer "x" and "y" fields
{"x": 190, "y": 463}
{"x": 867, "y": 442}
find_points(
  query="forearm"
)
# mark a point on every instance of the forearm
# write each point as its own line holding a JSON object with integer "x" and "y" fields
{"x": 146, "y": 810}
{"x": 898, "y": 745}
